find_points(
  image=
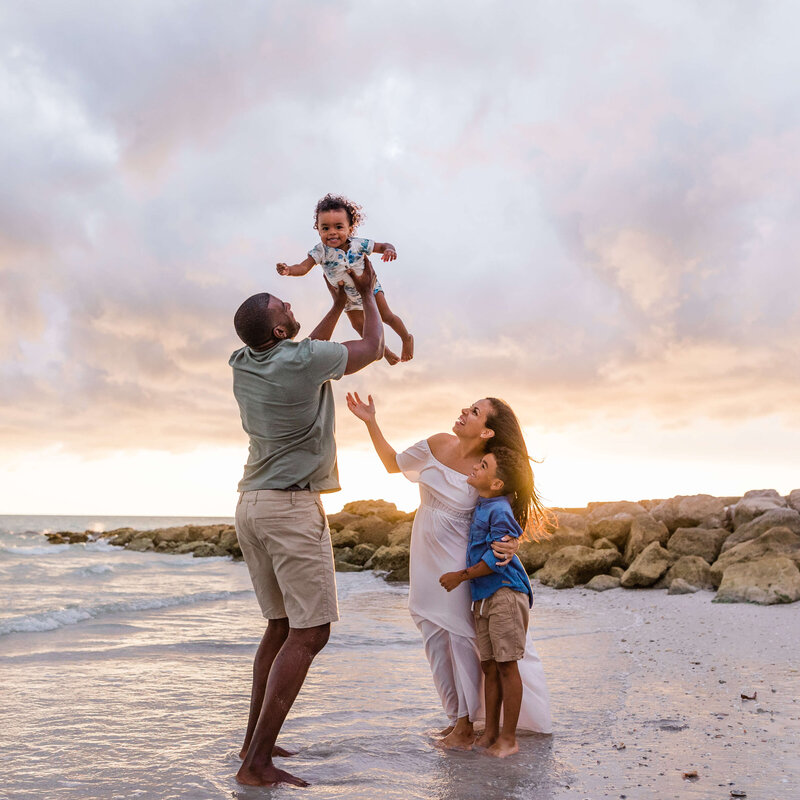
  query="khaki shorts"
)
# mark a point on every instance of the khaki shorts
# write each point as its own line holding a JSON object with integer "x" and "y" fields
{"x": 286, "y": 544}
{"x": 501, "y": 624}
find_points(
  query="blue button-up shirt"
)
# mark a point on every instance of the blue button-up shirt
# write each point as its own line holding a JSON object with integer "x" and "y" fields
{"x": 493, "y": 519}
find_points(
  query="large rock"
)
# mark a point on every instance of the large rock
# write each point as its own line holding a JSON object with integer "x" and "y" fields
{"x": 207, "y": 550}
{"x": 121, "y": 536}
{"x": 401, "y": 534}
{"x": 692, "y": 569}
{"x": 228, "y": 543}
{"x": 602, "y": 583}
{"x": 644, "y": 530}
{"x": 691, "y": 511}
{"x": 372, "y": 529}
{"x": 362, "y": 553}
{"x": 703, "y": 542}
{"x": 680, "y": 586}
{"x": 775, "y": 542}
{"x": 774, "y": 518}
{"x": 389, "y": 558}
{"x": 754, "y": 504}
{"x": 380, "y": 508}
{"x": 534, "y": 555}
{"x": 577, "y": 564}
{"x": 342, "y": 519}
{"x": 648, "y": 566}
{"x": 793, "y": 499}
{"x": 140, "y": 543}
{"x": 344, "y": 538}
{"x": 772, "y": 579}
{"x": 613, "y": 520}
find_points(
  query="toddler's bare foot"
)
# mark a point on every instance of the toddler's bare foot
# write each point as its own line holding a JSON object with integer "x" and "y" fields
{"x": 391, "y": 357}
{"x": 267, "y": 776}
{"x": 503, "y": 747}
{"x": 407, "y": 353}
{"x": 456, "y": 740}
{"x": 486, "y": 739}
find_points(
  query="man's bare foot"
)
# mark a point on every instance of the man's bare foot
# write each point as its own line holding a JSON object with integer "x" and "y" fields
{"x": 486, "y": 739}
{"x": 503, "y": 747}
{"x": 456, "y": 740}
{"x": 391, "y": 357}
{"x": 277, "y": 752}
{"x": 446, "y": 731}
{"x": 407, "y": 353}
{"x": 267, "y": 776}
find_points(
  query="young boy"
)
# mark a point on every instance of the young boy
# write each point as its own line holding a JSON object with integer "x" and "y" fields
{"x": 501, "y": 595}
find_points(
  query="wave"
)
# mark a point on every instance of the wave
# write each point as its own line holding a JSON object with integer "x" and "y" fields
{"x": 35, "y": 550}
{"x": 60, "y": 618}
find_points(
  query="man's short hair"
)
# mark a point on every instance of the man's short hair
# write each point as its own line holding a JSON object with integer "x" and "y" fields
{"x": 254, "y": 320}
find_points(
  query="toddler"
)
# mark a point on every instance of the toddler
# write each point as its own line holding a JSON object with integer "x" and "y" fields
{"x": 501, "y": 595}
{"x": 336, "y": 218}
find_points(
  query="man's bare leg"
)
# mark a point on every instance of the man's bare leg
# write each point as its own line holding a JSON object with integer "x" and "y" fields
{"x": 511, "y": 682}
{"x": 356, "y": 318}
{"x": 289, "y": 670}
{"x": 493, "y": 698}
{"x": 397, "y": 325}
{"x": 274, "y": 637}
{"x": 461, "y": 737}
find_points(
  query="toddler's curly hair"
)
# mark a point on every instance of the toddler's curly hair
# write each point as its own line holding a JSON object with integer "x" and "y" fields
{"x": 338, "y": 202}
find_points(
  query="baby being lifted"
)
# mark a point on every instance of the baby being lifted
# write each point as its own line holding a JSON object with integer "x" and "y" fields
{"x": 336, "y": 219}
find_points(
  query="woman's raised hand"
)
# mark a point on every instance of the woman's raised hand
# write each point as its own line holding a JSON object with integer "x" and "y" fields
{"x": 364, "y": 411}
{"x": 505, "y": 549}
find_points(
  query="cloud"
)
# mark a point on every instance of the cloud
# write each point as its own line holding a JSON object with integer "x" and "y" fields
{"x": 595, "y": 215}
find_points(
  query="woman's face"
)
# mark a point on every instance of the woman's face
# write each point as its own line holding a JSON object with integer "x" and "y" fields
{"x": 471, "y": 424}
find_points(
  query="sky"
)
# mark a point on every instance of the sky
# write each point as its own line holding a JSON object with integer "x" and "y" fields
{"x": 595, "y": 207}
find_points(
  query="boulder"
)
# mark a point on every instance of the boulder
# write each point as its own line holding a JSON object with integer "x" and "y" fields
{"x": 691, "y": 511}
{"x": 228, "y": 543}
{"x": 397, "y": 575}
{"x": 793, "y": 499}
{"x": 703, "y": 542}
{"x": 345, "y": 538}
{"x": 680, "y": 586}
{"x": 386, "y": 511}
{"x": 172, "y": 535}
{"x": 644, "y": 530}
{"x": 570, "y": 521}
{"x": 692, "y": 569}
{"x": 648, "y": 566}
{"x": 187, "y": 547}
{"x": 207, "y": 550}
{"x": 768, "y": 580}
{"x": 121, "y": 538}
{"x": 612, "y": 520}
{"x": 774, "y": 518}
{"x": 401, "y": 534}
{"x": 372, "y": 529}
{"x": 603, "y": 544}
{"x": 140, "y": 543}
{"x": 602, "y": 583}
{"x": 347, "y": 566}
{"x": 58, "y": 537}
{"x": 754, "y": 504}
{"x": 616, "y": 572}
{"x": 341, "y": 520}
{"x": 775, "y": 542}
{"x": 575, "y": 565}
{"x": 362, "y": 553}
{"x": 534, "y": 555}
{"x": 389, "y": 558}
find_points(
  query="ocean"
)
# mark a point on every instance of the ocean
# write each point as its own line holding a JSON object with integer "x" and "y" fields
{"x": 127, "y": 675}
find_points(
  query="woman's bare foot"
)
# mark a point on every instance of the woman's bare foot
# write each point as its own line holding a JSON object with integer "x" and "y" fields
{"x": 391, "y": 357}
{"x": 486, "y": 739}
{"x": 457, "y": 740}
{"x": 277, "y": 752}
{"x": 407, "y": 353}
{"x": 446, "y": 731}
{"x": 267, "y": 776}
{"x": 503, "y": 747}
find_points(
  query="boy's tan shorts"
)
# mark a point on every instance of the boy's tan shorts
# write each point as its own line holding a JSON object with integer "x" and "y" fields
{"x": 501, "y": 625}
{"x": 286, "y": 544}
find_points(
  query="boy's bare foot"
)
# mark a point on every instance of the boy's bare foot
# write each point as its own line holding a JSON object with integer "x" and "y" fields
{"x": 456, "y": 740}
{"x": 267, "y": 776}
{"x": 277, "y": 752}
{"x": 503, "y": 747}
{"x": 486, "y": 739}
{"x": 391, "y": 357}
{"x": 407, "y": 353}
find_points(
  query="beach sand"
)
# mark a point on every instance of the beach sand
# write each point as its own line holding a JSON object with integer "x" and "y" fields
{"x": 672, "y": 671}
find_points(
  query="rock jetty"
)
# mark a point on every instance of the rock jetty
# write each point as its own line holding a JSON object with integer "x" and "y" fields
{"x": 747, "y": 549}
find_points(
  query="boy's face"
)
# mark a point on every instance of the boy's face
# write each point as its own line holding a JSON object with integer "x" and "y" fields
{"x": 334, "y": 228}
{"x": 484, "y": 476}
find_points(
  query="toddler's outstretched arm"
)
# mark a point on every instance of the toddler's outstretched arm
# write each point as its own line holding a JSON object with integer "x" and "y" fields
{"x": 303, "y": 268}
{"x": 389, "y": 253}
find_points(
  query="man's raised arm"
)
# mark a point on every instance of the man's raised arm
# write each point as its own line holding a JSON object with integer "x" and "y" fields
{"x": 369, "y": 347}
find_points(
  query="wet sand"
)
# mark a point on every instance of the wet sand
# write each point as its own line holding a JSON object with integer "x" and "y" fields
{"x": 672, "y": 671}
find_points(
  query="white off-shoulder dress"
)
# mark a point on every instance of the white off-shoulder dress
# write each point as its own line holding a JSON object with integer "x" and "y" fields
{"x": 438, "y": 545}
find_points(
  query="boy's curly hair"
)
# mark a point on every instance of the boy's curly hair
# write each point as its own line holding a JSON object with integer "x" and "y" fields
{"x": 338, "y": 202}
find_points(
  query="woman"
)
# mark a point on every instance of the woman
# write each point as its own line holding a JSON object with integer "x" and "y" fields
{"x": 441, "y": 464}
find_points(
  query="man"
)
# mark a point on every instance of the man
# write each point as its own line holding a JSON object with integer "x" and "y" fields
{"x": 286, "y": 404}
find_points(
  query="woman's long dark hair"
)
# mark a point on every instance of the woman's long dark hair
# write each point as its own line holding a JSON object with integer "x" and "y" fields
{"x": 514, "y": 469}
